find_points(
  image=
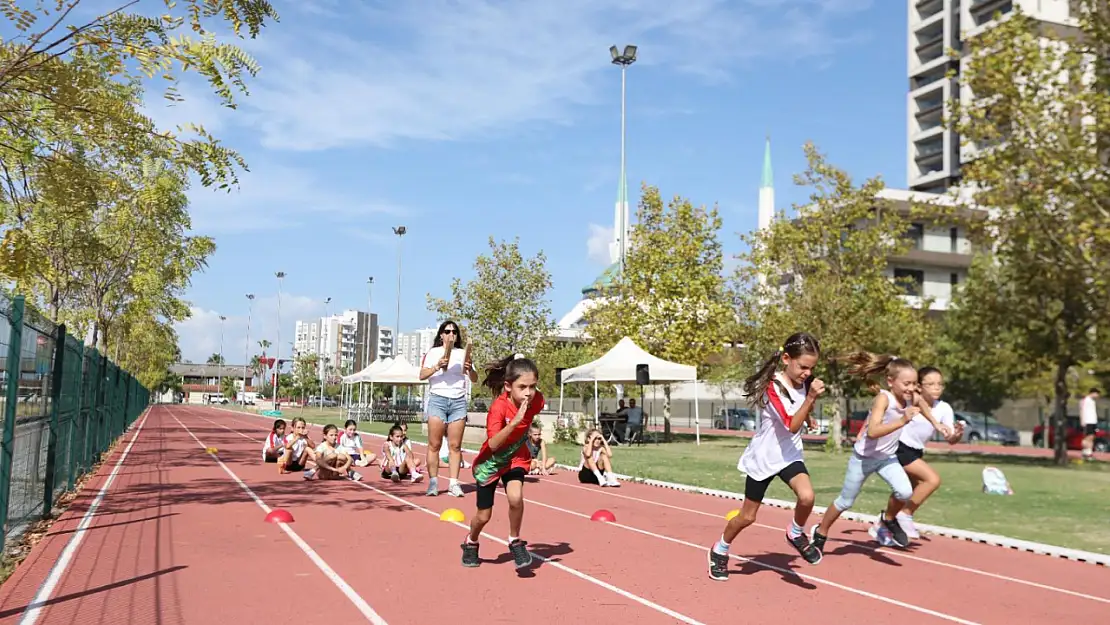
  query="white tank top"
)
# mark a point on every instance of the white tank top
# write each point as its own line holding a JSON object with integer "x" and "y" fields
{"x": 886, "y": 446}
{"x": 774, "y": 446}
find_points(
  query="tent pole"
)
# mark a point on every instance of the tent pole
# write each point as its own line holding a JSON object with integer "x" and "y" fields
{"x": 597, "y": 412}
{"x": 561, "y": 385}
{"x": 697, "y": 417}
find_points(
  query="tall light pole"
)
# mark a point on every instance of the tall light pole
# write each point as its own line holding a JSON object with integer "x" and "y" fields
{"x": 323, "y": 350}
{"x": 369, "y": 319}
{"x": 247, "y": 349}
{"x": 623, "y": 59}
{"x": 280, "y": 275}
{"x": 400, "y": 232}
{"x": 220, "y": 363}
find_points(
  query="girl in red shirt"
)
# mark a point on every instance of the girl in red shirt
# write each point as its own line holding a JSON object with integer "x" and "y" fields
{"x": 504, "y": 457}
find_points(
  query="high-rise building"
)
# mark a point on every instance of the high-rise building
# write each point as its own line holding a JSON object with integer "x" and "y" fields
{"x": 339, "y": 339}
{"x": 384, "y": 343}
{"x": 936, "y": 27}
{"x": 413, "y": 345}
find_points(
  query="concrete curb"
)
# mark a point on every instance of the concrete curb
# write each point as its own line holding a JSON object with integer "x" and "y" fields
{"x": 938, "y": 530}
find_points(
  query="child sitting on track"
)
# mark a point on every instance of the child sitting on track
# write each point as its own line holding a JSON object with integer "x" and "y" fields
{"x": 273, "y": 448}
{"x": 350, "y": 443}
{"x": 298, "y": 448}
{"x": 397, "y": 461}
{"x": 504, "y": 458}
{"x": 331, "y": 463}
{"x": 408, "y": 445}
{"x": 541, "y": 464}
{"x": 596, "y": 465}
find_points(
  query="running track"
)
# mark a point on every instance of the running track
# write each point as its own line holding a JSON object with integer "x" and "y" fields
{"x": 177, "y": 536}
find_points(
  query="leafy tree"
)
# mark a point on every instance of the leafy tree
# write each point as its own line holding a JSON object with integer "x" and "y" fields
{"x": 671, "y": 297}
{"x": 551, "y": 355}
{"x": 1037, "y": 130}
{"x": 504, "y": 309}
{"x": 825, "y": 272}
{"x": 228, "y": 389}
{"x": 215, "y": 359}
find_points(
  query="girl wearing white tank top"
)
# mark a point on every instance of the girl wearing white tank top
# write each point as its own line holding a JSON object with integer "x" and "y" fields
{"x": 785, "y": 400}
{"x": 875, "y": 449}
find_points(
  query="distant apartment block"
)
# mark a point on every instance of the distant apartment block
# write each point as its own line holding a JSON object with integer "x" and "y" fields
{"x": 413, "y": 345}
{"x": 340, "y": 339}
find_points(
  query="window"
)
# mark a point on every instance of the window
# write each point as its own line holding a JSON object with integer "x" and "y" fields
{"x": 911, "y": 280}
{"x": 916, "y": 236}
{"x": 955, "y": 279}
{"x": 954, "y": 239}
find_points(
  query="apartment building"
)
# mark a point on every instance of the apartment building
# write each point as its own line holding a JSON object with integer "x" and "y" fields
{"x": 384, "y": 343}
{"x": 340, "y": 339}
{"x": 413, "y": 345}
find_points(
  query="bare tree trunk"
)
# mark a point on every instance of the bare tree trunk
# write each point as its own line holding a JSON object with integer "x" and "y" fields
{"x": 1059, "y": 414}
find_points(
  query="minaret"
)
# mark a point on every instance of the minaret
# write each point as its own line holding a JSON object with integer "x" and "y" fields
{"x": 767, "y": 190}
{"x": 622, "y": 228}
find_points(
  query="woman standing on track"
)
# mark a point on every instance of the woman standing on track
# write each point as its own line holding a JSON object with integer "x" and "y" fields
{"x": 447, "y": 368}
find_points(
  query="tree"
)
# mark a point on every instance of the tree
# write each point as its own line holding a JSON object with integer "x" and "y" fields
{"x": 671, "y": 297}
{"x": 215, "y": 359}
{"x": 551, "y": 355}
{"x": 1038, "y": 128}
{"x": 825, "y": 272}
{"x": 504, "y": 309}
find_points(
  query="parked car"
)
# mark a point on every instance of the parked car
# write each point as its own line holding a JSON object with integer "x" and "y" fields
{"x": 979, "y": 428}
{"x": 1074, "y": 436}
{"x": 735, "y": 419}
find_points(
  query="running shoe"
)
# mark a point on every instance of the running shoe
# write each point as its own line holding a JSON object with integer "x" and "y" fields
{"x": 470, "y": 554}
{"x": 718, "y": 565}
{"x": 881, "y": 535}
{"x": 521, "y": 556}
{"x": 433, "y": 487}
{"x": 395, "y": 476}
{"x": 906, "y": 521}
{"x": 897, "y": 534}
{"x": 805, "y": 548}
{"x": 817, "y": 539}
{"x": 416, "y": 477}
{"x": 455, "y": 490}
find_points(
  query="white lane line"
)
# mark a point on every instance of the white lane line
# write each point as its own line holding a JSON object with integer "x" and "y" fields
{"x": 340, "y": 583}
{"x": 562, "y": 567}
{"x": 34, "y": 609}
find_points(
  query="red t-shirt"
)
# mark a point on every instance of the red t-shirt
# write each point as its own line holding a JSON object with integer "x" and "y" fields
{"x": 490, "y": 465}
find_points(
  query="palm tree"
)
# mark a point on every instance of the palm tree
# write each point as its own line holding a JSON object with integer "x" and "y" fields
{"x": 215, "y": 359}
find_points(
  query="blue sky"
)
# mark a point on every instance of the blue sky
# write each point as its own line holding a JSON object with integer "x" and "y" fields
{"x": 462, "y": 120}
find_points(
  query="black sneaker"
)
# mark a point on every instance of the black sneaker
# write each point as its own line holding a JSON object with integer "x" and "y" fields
{"x": 718, "y": 565}
{"x": 521, "y": 557}
{"x": 470, "y": 554}
{"x": 817, "y": 539}
{"x": 897, "y": 534}
{"x": 809, "y": 553}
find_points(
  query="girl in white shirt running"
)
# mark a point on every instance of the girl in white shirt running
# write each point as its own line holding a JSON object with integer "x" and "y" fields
{"x": 911, "y": 448}
{"x": 785, "y": 399}
{"x": 876, "y": 447}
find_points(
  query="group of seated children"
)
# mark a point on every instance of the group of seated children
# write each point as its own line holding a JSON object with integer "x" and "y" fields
{"x": 337, "y": 455}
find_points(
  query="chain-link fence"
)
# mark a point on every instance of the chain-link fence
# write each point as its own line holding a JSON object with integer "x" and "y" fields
{"x": 61, "y": 404}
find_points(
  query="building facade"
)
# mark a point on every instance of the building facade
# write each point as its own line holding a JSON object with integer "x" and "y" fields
{"x": 341, "y": 340}
{"x": 384, "y": 343}
{"x": 413, "y": 345}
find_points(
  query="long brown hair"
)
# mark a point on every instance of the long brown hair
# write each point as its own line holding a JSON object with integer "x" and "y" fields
{"x": 866, "y": 366}
{"x": 507, "y": 369}
{"x": 797, "y": 345}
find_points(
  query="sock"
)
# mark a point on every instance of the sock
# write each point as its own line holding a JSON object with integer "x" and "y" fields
{"x": 794, "y": 530}
{"x": 453, "y": 482}
{"x": 600, "y": 478}
{"x": 721, "y": 547}
{"x": 513, "y": 539}
{"x": 470, "y": 542}
{"x": 906, "y": 515}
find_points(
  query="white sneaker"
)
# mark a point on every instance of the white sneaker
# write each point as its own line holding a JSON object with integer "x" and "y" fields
{"x": 354, "y": 477}
{"x": 906, "y": 521}
{"x": 395, "y": 476}
{"x": 612, "y": 481}
{"x": 455, "y": 490}
{"x": 416, "y": 477}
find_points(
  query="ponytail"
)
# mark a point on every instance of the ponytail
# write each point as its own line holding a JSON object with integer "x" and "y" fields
{"x": 866, "y": 366}
{"x": 797, "y": 345}
{"x": 508, "y": 369}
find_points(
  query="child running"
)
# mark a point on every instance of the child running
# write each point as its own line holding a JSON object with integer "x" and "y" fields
{"x": 350, "y": 443}
{"x": 504, "y": 457}
{"x": 298, "y": 449}
{"x": 397, "y": 460}
{"x": 785, "y": 400}
{"x": 877, "y": 445}
{"x": 331, "y": 463}
{"x": 273, "y": 448}
{"x": 911, "y": 449}
{"x": 596, "y": 464}
{"x": 541, "y": 464}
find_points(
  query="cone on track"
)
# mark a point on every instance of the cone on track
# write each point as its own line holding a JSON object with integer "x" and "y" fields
{"x": 452, "y": 515}
{"x": 212, "y": 450}
{"x": 731, "y": 514}
{"x": 604, "y": 516}
{"x": 278, "y": 515}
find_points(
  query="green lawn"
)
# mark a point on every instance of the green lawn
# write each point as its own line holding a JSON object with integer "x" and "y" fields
{"x": 1058, "y": 506}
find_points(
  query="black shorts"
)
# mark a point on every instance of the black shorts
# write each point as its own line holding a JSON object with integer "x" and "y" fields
{"x": 755, "y": 489}
{"x": 293, "y": 467}
{"x": 908, "y": 455}
{"x": 486, "y": 493}
{"x": 587, "y": 476}
{"x": 387, "y": 474}
{"x": 1090, "y": 429}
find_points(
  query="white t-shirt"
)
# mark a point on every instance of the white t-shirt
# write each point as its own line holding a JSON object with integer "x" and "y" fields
{"x": 298, "y": 446}
{"x": 774, "y": 446}
{"x": 885, "y": 446}
{"x": 350, "y": 445}
{"x": 451, "y": 383}
{"x": 1088, "y": 414}
{"x": 918, "y": 431}
{"x": 273, "y": 443}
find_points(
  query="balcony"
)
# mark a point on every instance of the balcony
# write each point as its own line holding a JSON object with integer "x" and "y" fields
{"x": 928, "y": 8}
{"x": 983, "y": 11}
{"x": 929, "y": 153}
{"x": 930, "y": 46}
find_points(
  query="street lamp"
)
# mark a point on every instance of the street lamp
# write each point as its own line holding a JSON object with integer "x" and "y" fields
{"x": 220, "y": 362}
{"x": 369, "y": 317}
{"x": 324, "y": 349}
{"x": 280, "y": 275}
{"x": 400, "y": 232}
{"x": 623, "y": 59}
{"x": 247, "y": 349}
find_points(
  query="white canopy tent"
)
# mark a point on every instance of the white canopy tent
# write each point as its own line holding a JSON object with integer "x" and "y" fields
{"x": 359, "y": 378}
{"x": 399, "y": 371}
{"x": 618, "y": 366}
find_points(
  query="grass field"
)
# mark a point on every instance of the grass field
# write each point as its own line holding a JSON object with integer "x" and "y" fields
{"x": 1058, "y": 506}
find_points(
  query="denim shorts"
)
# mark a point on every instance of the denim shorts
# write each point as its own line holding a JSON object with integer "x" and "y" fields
{"x": 447, "y": 409}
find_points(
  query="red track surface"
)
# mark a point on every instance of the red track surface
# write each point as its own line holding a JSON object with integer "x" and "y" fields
{"x": 177, "y": 539}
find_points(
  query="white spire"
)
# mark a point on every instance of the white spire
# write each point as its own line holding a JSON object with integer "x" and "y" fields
{"x": 766, "y": 190}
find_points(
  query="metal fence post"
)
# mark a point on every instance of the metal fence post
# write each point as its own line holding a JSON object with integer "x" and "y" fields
{"x": 55, "y": 408}
{"x": 11, "y": 396}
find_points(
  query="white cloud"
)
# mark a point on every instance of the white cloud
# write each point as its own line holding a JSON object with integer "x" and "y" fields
{"x": 446, "y": 70}
{"x": 597, "y": 244}
{"x": 199, "y": 335}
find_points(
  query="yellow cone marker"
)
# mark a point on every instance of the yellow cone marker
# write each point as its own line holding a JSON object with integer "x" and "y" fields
{"x": 452, "y": 515}
{"x": 212, "y": 450}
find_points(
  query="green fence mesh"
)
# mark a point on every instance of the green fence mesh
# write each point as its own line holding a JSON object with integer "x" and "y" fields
{"x": 62, "y": 406}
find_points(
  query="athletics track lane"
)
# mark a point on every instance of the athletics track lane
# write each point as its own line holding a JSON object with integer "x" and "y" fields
{"x": 975, "y": 582}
